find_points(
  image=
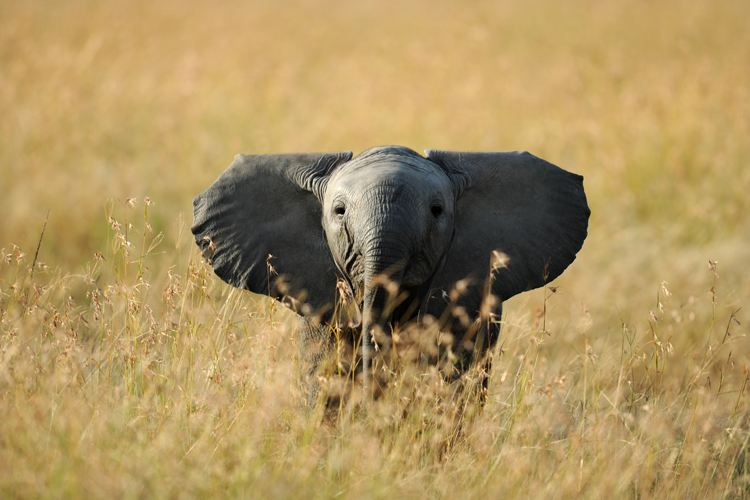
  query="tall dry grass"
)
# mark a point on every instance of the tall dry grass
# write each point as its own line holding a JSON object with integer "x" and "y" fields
{"x": 127, "y": 369}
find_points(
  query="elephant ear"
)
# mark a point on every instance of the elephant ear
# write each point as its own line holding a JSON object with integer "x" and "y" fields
{"x": 517, "y": 216}
{"x": 259, "y": 225}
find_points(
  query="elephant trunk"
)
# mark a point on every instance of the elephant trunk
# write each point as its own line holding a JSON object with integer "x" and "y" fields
{"x": 384, "y": 268}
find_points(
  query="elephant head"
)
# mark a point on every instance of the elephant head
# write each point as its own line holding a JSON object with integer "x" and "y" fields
{"x": 288, "y": 225}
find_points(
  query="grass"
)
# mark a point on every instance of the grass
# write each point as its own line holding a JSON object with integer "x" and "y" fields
{"x": 127, "y": 369}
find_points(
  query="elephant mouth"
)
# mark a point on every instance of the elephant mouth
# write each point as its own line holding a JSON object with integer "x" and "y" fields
{"x": 406, "y": 297}
{"x": 403, "y": 303}
{"x": 410, "y": 303}
{"x": 417, "y": 272}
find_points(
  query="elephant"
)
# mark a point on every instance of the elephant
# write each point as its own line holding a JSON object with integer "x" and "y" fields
{"x": 296, "y": 227}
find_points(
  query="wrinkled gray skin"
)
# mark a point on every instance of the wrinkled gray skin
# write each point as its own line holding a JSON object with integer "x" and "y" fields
{"x": 502, "y": 222}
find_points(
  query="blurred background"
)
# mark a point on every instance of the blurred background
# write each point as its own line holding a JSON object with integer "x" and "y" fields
{"x": 120, "y": 367}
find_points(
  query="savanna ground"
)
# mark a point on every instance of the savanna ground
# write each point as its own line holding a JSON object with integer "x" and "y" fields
{"x": 127, "y": 369}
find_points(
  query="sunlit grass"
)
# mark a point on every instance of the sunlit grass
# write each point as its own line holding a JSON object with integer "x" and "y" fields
{"x": 128, "y": 369}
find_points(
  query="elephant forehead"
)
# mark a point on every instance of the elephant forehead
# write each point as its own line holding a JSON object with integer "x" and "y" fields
{"x": 408, "y": 174}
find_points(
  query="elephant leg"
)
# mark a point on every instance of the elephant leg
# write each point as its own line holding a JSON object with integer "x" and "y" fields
{"x": 483, "y": 353}
{"x": 474, "y": 349}
{"x": 315, "y": 344}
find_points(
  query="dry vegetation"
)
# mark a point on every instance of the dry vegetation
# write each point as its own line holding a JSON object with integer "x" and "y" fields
{"x": 127, "y": 369}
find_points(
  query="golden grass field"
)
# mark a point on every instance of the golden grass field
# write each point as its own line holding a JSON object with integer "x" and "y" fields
{"x": 128, "y": 370}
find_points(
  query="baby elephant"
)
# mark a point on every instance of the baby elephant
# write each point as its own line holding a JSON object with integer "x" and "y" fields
{"x": 495, "y": 223}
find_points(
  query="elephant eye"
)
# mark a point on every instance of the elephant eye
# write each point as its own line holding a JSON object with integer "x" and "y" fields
{"x": 339, "y": 210}
{"x": 437, "y": 210}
